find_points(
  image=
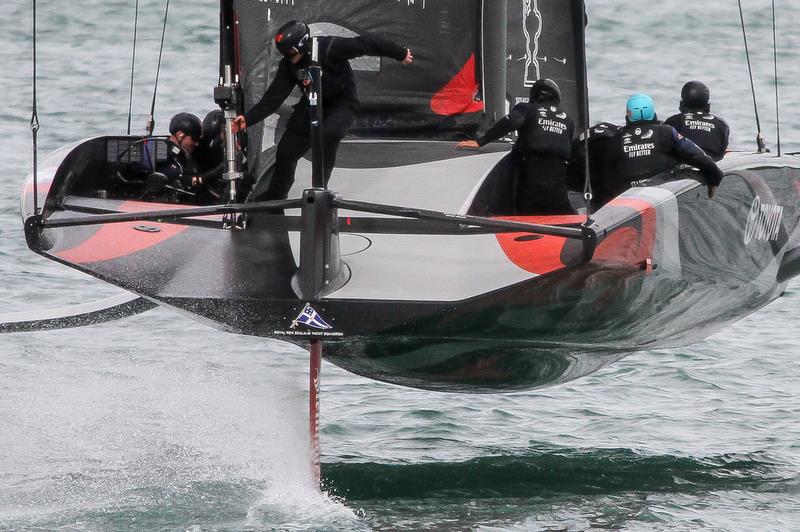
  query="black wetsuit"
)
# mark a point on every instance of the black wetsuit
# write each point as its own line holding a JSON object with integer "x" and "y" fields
{"x": 646, "y": 148}
{"x": 543, "y": 150}
{"x": 211, "y": 165}
{"x": 708, "y": 131}
{"x": 178, "y": 168}
{"x": 339, "y": 103}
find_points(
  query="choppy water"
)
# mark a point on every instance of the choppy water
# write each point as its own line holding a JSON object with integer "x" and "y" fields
{"x": 157, "y": 423}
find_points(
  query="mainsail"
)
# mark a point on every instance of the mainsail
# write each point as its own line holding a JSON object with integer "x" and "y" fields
{"x": 441, "y": 95}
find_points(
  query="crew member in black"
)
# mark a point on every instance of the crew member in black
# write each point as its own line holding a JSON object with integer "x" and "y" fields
{"x": 645, "y": 147}
{"x": 210, "y": 159}
{"x": 696, "y": 122}
{"x": 339, "y": 97}
{"x": 185, "y": 132}
{"x": 542, "y": 150}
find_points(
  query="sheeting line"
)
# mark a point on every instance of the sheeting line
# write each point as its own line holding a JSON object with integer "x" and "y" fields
{"x": 762, "y": 147}
{"x": 101, "y": 311}
{"x": 775, "y": 59}
{"x": 133, "y": 64}
{"x": 35, "y": 125}
{"x": 151, "y": 123}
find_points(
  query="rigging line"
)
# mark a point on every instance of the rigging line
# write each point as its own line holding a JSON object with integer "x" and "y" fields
{"x": 587, "y": 185}
{"x": 151, "y": 124}
{"x": 759, "y": 137}
{"x": 133, "y": 64}
{"x": 775, "y": 59}
{"x": 35, "y": 124}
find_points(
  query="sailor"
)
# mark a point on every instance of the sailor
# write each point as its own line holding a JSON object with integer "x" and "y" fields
{"x": 696, "y": 122}
{"x": 645, "y": 147}
{"x": 339, "y": 97}
{"x": 185, "y": 131}
{"x": 210, "y": 158}
{"x": 542, "y": 150}
{"x": 602, "y": 139}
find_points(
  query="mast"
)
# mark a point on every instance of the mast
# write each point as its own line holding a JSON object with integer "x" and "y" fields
{"x": 494, "y": 39}
{"x": 228, "y": 94}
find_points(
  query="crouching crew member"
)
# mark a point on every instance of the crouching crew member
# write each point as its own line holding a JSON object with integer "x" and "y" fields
{"x": 646, "y": 147}
{"x": 696, "y": 122}
{"x": 210, "y": 159}
{"x": 339, "y": 97}
{"x": 185, "y": 131}
{"x": 542, "y": 150}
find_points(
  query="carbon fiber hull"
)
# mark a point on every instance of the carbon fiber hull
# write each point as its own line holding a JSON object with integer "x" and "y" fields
{"x": 475, "y": 312}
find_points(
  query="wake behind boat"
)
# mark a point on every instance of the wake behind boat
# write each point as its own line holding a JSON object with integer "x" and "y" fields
{"x": 413, "y": 268}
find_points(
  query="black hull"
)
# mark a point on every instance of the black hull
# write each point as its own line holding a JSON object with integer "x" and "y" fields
{"x": 671, "y": 267}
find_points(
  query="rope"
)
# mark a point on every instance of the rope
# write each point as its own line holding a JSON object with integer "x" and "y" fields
{"x": 587, "y": 185}
{"x": 151, "y": 124}
{"x": 759, "y": 137}
{"x": 35, "y": 124}
{"x": 775, "y": 59}
{"x": 133, "y": 64}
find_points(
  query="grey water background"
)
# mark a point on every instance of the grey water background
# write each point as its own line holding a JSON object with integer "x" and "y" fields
{"x": 159, "y": 423}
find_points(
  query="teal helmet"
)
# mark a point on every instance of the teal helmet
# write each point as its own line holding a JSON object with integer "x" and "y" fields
{"x": 641, "y": 107}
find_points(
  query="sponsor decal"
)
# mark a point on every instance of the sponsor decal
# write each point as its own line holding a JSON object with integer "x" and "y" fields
{"x": 648, "y": 134}
{"x": 639, "y": 150}
{"x": 638, "y": 132}
{"x": 562, "y": 115}
{"x": 552, "y": 126}
{"x": 763, "y": 221}
{"x": 700, "y": 125}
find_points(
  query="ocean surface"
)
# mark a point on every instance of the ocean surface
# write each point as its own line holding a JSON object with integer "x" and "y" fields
{"x": 159, "y": 423}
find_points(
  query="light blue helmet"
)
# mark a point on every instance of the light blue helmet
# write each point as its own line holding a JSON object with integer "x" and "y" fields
{"x": 641, "y": 107}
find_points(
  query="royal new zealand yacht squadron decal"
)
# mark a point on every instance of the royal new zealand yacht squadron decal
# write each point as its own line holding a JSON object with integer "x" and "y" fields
{"x": 309, "y": 322}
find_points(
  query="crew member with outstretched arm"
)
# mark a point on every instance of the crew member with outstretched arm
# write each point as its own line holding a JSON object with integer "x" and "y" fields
{"x": 339, "y": 96}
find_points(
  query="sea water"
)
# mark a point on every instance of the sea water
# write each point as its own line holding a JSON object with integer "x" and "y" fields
{"x": 159, "y": 423}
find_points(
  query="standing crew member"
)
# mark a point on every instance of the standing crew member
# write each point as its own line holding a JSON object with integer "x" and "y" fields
{"x": 339, "y": 96}
{"x": 646, "y": 147}
{"x": 696, "y": 122}
{"x": 542, "y": 150}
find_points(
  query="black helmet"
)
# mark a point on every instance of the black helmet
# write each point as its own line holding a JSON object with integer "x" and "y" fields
{"x": 293, "y": 37}
{"x": 695, "y": 96}
{"x": 188, "y": 123}
{"x": 213, "y": 124}
{"x": 546, "y": 91}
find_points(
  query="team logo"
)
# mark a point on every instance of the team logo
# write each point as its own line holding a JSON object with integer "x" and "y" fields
{"x": 763, "y": 221}
{"x": 311, "y": 318}
{"x": 562, "y": 115}
{"x": 638, "y": 131}
{"x": 648, "y": 134}
{"x": 553, "y": 108}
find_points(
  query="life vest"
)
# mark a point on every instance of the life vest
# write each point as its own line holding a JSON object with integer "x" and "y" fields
{"x": 547, "y": 131}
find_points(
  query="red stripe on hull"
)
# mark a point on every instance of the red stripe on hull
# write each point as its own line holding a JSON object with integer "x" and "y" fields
{"x": 633, "y": 243}
{"x": 541, "y": 255}
{"x": 117, "y": 240}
